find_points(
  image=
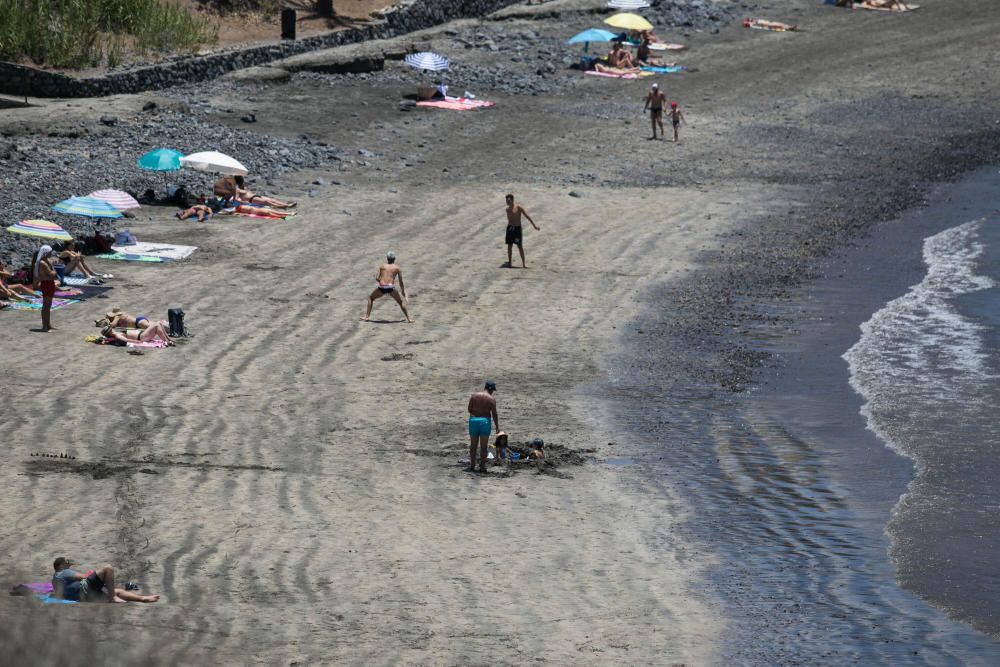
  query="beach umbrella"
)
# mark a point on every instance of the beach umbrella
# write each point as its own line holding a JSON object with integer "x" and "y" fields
{"x": 87, "y": 206}
{"x": 628, "y": 4}
{"x": 592, "y": 35}
{"x": 628, "y": 21}
{"x": 161, "y": 159}
{"x": 219, "y": 163}
{"x": 122, "y": 201}
{"x": 427, "y": 61}
{"x": 41, "y": 229}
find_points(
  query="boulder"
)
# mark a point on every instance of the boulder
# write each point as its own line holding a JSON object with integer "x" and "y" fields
{"x": 258, "y": 74}
{"x": 335, "y": 61}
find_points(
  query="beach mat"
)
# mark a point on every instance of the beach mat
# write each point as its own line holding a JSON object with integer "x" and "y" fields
{"x": 129, "y": 257}
{"x": 457, "y": 104}
{"x": 609, "y": 75}
{"x": 908, "y": 7}
{"x": 164, "y": 250}
{"x": 79, "y": 293}
{"x": 664, "y": 46}
{"x": 36, "y": 304}
{"x": 664, "y": 69}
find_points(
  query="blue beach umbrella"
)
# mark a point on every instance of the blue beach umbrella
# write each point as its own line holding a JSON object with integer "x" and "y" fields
{"x": 592, "y": 35}
{"x": 427, "y": 61}
{"x": 87, "y": 206}
{"x": 161, "y": 159}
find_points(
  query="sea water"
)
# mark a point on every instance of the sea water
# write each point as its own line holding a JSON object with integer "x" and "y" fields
{"x": 927, "y": 366}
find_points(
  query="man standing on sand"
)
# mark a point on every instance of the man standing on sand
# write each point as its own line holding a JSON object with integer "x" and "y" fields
{"x": 386, "y": 277}
{"x": 654, "y": 102}
{"x": 482, "y": 407}
{"x": 515, "y": 231}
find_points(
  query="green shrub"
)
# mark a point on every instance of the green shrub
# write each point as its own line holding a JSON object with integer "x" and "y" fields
{"x": 81, "y": 33}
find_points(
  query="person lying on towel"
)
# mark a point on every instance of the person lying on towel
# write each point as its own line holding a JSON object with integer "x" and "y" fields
{"x": 233, "y": 187}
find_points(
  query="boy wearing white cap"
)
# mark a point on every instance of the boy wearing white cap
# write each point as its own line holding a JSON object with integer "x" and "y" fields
{"x": 654, "y": 102}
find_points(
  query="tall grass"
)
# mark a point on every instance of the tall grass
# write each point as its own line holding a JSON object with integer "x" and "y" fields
{"x": 82, "y": 33}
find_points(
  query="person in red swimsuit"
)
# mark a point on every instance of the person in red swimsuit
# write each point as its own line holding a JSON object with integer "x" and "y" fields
{"x": 45, "y": 280}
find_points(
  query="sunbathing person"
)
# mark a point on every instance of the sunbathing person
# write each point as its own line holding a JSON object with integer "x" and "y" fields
{"x": 153, "y": 332}
{"x": 644, "y": 55}
{"x": 73, "y": 260}
{"x": 231, "y": 207}
{"x": 619, "y": 58}
{"x": 231, "y": 187}
{"x": 200, "y": 211}
{"x": 13, "y": 291}
{"x": 98, "y": 585}
{"x": 119, "y": 319}
{"x": 605, "y": 69}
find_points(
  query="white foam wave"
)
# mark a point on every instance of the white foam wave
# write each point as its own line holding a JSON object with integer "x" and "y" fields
{"x": 918, "y": 357}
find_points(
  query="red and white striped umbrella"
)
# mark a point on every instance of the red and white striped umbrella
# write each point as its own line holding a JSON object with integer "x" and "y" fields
{"x": 122, "y": 201}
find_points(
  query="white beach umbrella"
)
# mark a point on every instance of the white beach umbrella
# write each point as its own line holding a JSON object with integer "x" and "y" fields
{"x": 628, "y": 4}
{"x": 428, "y": 61}
{"x": 211, "y": 161}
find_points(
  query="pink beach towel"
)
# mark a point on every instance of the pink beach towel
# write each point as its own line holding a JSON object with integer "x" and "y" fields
{"x": 457, "y": 104}
{"x": 157, "y": 343}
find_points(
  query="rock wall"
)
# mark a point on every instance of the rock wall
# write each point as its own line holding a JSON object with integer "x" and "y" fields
{"x": 405, "y": 17}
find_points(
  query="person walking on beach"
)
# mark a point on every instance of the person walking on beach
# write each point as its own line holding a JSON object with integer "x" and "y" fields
{"x": 44, "y": 279}
{"x": 515, "y": 231}
{"x": 482, "y": 407}
{"x": 676, "y": 116}
{"x": 655, "y": 100}
{"x": 386, "y": 276}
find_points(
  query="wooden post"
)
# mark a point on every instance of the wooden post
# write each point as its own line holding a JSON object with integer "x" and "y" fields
{"x": 324, "y": 8}
{"x": 287, "y": 24}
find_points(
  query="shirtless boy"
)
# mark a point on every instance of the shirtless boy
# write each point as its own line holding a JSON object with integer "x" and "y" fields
{"x": 676, "y": 118}
{"x": 515, "y": 231}
{"x": 654, "y": 102}
{"x": 482, "y": 407}
{"x": 386, "y": 277}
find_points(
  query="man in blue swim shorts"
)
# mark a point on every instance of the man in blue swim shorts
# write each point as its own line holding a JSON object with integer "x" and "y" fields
{"x": 482, "y": 407}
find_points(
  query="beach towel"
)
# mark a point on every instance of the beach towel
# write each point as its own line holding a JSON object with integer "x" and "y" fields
{"x": 129, "y": 257}
{"x": 906, "y": 7}
{"x": 79, "y": 293}
{"x": 147, "y": 343}
{"x": 164, "y": 250}
{"x": 36, "y": 304}
{"x": 617, "y": 76}
{"x": 664, "y": 46}
{"x": 665, "y": 69}
{"x": 763, "y": 24}
{"x": 457, "y": 104}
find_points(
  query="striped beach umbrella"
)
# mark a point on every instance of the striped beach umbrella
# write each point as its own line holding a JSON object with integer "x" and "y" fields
{"x": 88, "y": 206}
{"x": 122, "y": 201}
{"x": 42, "y": 229}
{"x": 161, "y": 159}
{"x": 427, "y": 61}
{"x": 628, "y": 5}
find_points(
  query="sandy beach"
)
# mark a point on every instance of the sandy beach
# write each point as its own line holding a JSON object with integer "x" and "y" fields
{"x": 288, "y": 479}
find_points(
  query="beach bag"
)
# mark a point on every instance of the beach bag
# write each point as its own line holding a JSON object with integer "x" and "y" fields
{"x": 175, "y": 316}
{"x": 125, "y": 237}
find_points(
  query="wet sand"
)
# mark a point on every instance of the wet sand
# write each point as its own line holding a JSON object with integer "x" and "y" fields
{"x": 267, "y": 494}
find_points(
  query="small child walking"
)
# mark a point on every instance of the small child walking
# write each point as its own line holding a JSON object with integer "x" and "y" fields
{"x": 676, "y": 118}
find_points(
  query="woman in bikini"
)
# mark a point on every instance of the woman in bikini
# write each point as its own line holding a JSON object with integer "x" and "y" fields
{"x": 119, "y": 319}
{"x": 13, "y": 291}
{"x": 200, "y": 211}
{"x": 73, "y": 259}
{"x": 231, "y": 187}
{"x": 125, "y": 336}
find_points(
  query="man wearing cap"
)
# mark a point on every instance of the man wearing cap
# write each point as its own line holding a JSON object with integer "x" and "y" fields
{"x": 482, "y": 407}
{"x": 96, "y": 586}
{"x": 386, "y": 277}
{"x": 654, "y": 102}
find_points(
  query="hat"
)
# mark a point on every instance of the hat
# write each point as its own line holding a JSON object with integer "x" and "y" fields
{"x": 490, "y": 384}
{"x": 673, "y": 105}
{"x": 61, "y": 562}
{"x": 390, "y": 255}
{"x": 655, "y": 86}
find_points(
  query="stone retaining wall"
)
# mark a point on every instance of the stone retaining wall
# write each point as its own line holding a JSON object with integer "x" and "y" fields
{"x": 406, "y": 17}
